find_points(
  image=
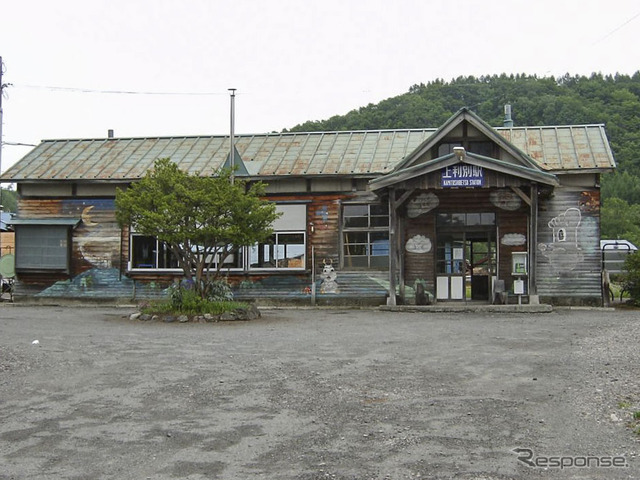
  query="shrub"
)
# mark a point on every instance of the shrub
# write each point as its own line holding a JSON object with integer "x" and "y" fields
{"x": 631, "y": 282}
{"x": 219, "y": 291}
{"x": 185, "y": 299}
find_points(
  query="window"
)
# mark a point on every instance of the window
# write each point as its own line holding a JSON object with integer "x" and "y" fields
{"x": 42, "y": 247}
{"x": 365, "y": 230}
{"x": 465, "y": 219}
{"x": 281, "y": 250}
{"x": 148, "y": 252}
{"x": 285, "y": 249}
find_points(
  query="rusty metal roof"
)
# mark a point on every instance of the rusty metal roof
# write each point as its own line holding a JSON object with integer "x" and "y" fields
{"x": 558, "y": 148}
{"x": 365, "y": 153}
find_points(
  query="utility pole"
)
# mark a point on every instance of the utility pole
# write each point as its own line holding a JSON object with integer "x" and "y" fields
{"x": 232, "y": 160}
{"x": 2, "y": 86}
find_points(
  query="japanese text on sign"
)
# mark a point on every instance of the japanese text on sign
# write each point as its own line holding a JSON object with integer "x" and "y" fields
{"x": 462, "y": 176}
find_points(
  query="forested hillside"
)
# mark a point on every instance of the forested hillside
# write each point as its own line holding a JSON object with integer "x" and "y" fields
{"x": 613, "y": 100}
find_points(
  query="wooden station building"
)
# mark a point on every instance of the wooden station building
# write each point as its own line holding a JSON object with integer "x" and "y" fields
{"x": 464, "y": 212}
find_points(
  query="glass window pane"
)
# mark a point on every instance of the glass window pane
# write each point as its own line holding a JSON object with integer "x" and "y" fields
{"x": 166, "y": 259}
{"x": 458, "y": 219}
{"x": 380, "y": 209}
{"x": 143, "y": 251}
{"x": 356, "y": 237}
{"x": 356, "y": 222}
{"x": 488, "y": 218}
{"x": 379, "y": 243}
{"x": 291, "y": 250}
{"x": 356, "y": 249}
{"x": 361, "y": 210}
{"x": 262, "y": 255}
{"x": 443, "y": 219}
{"x": 473, "y": 219}
{"x": 379, "y": 221}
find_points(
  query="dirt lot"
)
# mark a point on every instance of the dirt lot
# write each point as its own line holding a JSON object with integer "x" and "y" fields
{"x": 319, "y": 394}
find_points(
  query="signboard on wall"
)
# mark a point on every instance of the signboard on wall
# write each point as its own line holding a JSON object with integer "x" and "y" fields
{"x": 462, "y": 176}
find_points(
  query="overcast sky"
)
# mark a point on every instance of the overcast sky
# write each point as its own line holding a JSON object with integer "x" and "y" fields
{"x": 290, "y": 60}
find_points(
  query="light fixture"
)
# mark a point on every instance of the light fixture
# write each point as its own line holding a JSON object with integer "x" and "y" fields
{"x": 459, "y": 151}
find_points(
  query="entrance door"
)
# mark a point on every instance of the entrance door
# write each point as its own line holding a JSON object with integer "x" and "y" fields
{"x": 482, "y": 265}
{"x": 465, "y": 265}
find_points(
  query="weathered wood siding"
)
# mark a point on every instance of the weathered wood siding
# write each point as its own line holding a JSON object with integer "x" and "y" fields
{"x": 95, "y": 241}
{"x": 7, "y": 243}
{"x": 568, "y": 249}
{"x": 420, "y": 266}
{"x": 513, "y": 237}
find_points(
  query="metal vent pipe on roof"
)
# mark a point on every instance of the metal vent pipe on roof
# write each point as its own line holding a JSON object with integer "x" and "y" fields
{"x": 508, "y": 121}
{"x": 110, "y": 133}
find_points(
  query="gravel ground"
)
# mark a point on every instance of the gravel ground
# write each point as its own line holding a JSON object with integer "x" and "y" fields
{"x": 319, "y": 394}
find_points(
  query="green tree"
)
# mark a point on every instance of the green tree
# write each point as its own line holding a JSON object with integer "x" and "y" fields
{"x": 619, "y": 220}
{"x": 9, "y": 200}
{"x": 201, "y": 219}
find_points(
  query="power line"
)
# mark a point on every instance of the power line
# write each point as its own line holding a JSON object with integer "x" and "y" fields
{"x": 115, "y": 92}
{"x": 617, "y": 28}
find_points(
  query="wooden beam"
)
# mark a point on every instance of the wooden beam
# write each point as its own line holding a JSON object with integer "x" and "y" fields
{"x": 404, "y": 197}
{"x": 522, "y": 195}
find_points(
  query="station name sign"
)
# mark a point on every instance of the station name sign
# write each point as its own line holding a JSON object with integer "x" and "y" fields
{"x": 462, "y": 176}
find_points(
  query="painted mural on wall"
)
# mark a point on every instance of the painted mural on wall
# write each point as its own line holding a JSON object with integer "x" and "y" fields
{"x": 513, "y": 239}
{"x": 329, "y": 278}
{"x": 423, "y": 203}
{"x": 563, "y": 252}
{"x": 97, "y": 238}
{"x": 418, "y": 244}
{"x": 505, "y": 199}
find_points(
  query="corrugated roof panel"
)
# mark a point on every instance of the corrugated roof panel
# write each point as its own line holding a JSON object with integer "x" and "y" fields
{"x": 151, "y": 149}
{"x": 204, "y": 153}
{"x": 115, "y": 161}
{"x": 287, "y": 150}
{"x": 382, "y": 157}
{"x": 552, "y": 153}
{"x": 319, "y": 157}
{"x": 367, "y": 152}
{"x": 291, "y": 154}
{"x": 74, "y": 159}
{"x": 336, "y": 154}
{"x": 568, "y": 153}
{"x": 582, "y": 147}
{"x": 53, "y": 161}
{"x": 351, "y": 153}
{"x": 307, "y": 152}
{"x": 600, "y": 147}
{"x": 265, "y": 154}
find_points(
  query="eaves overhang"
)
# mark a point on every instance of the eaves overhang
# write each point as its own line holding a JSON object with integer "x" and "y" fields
{"x": 507, "y": 168}
{"x": 65, "y": 221}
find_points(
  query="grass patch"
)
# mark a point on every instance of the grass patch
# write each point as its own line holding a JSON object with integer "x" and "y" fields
{"x": 192, "y": 308}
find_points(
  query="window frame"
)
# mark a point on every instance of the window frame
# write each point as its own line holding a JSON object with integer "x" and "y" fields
{"x": 371, "y": 229}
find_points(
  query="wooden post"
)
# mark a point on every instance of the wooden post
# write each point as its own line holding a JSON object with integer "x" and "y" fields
{"x": 533, "y": 245}
{"x": 392, "y": 247}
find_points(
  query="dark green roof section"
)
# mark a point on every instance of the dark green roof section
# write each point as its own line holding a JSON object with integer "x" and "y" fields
{"x": 70, "y": 222}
